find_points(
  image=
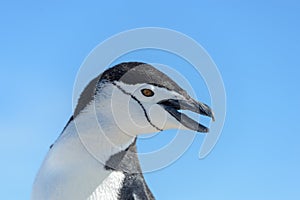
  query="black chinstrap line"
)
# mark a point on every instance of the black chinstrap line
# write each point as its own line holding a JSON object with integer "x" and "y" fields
{"x": 145, "y": 112}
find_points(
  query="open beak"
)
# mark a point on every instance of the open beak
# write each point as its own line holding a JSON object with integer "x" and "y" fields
{"x": 173, "y": 106}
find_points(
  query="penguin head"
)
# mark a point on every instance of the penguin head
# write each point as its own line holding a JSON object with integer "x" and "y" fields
{"x": 137, "y": 98}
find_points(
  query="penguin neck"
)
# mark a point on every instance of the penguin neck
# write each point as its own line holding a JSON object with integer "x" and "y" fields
{"x": 88, "y": 156}
{"x": 100, "y": 135}
{"x": 106, "y": 142}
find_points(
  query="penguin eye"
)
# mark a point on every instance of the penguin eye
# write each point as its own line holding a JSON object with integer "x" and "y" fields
{"x": 147, "y": 92}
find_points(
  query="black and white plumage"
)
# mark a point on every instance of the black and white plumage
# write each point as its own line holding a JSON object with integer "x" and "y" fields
{"x": 95, "y": 156}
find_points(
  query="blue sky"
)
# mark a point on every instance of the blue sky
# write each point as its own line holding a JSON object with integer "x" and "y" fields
{"x": 255, "y": 45}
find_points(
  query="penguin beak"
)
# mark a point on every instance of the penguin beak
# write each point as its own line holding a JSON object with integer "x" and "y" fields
{"x": 173, "y": 106}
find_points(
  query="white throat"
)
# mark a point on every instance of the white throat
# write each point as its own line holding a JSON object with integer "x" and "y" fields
{"x": 74, "y": 167}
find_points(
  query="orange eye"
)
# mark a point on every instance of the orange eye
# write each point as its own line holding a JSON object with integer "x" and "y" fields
{"x": 147, "y": 92}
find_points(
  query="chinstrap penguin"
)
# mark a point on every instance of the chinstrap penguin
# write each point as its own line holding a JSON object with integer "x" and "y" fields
{"x": 95, "y": 156}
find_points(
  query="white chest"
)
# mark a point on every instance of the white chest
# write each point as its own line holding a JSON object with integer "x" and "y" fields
{"x": 110, "y": 187}
{"x": 71, "y": 171}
